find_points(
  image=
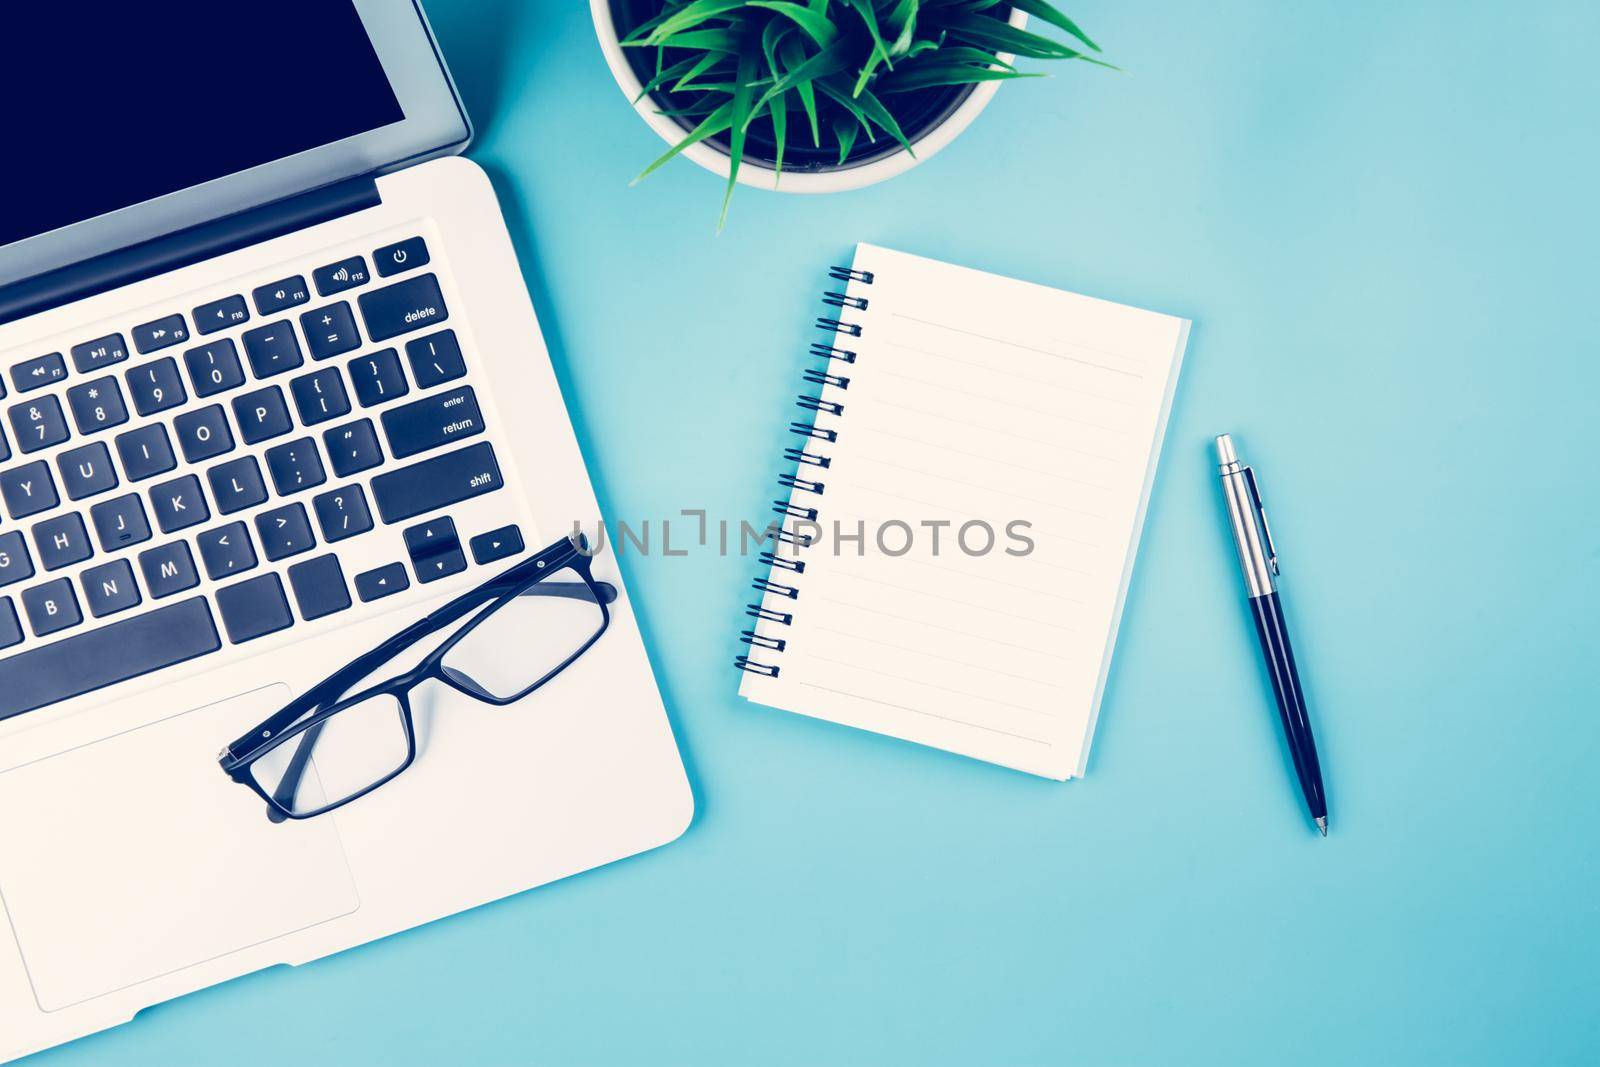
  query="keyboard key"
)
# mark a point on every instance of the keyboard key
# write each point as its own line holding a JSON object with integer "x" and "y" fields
{"x": 320, "y": 396}
{"x": 401, "y": 256}
{"x": 38, "y": 371}
{"x": 97, "y": 405}
{"x": 254, "y": 608}
{"x": 220, "y": 314}
{"x": 179, "y": 504}
{"x": 285, "y": 531}
{"x": 51, "y": 608}
{"x": 273, "y": 298}
{"x": 61, "y": 541}
{"x": 436, "y": 483}
{"x": 378, "y": 377}
{"x": 106, "y": 655}
{"x": 353, "y": 448}
{"x": 319, "y": 587}
{"x": 214, "y": 368}
{"x": 203, "y": 433}
{"x": 28, "y": 489}
{"x": 86, "y": 471}
{"x": 226, "y": 551}
{"x": 15, "y": 563}
{"x": 38, "y": 423}
{"x": 381, "y": 582}
{"x": 427, "y": 538}
{"x": 403, "y": 307}
{"x": 435, "y": 550}
{"x": 330, "y": 330}
{"x": 92, "y": 355}
{"x": 295, "y": 466}
{"x": 262, "y": 415}
{"x": 432, "y": 421}
{"x": 5, "y": 447}
{"x": 10, "y": 626}
{"x": 156, "y": 386}
{"x": 337, "y": 277}
{"x": 237, "y": 484}
{"x": 435, "y": 359}
{"x": 168, "y": 569}
{"x": 110, "y": 588}
{"x": 496, "y": 545}
{"x": 162, "y": 333}
{"x": 120, "y": 522}
{"x": 146, "y": 452}
{"x": 342, "y": 513}
{"x": 272, "y": 349}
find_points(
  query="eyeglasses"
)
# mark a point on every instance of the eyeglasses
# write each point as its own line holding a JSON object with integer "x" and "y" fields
{"x": 527, "y": 625}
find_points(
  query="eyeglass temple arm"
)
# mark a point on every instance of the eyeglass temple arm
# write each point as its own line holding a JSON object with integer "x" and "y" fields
{"x": 289, "y": 784}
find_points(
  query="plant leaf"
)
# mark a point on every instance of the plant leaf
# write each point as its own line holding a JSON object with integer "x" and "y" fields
{"x": 771, "y": 37}
{"x": 643, "y": 30}
{"x": 906, "y": 80}
{"x": 688, "y": 17}
{"x": 716, "y": 122}
{"x": 870, "y": 17}
{"x": 666, "y": 75}
{"x": 720, "y": 39}
{"x": 780, "y": 131}
{"x": 844, "y": 131}
{"x": 903, "y": 24}
{"x": 1002, "y": 37}
{"x": 850, "y": 104}
{"x": 1046, "y": 12}
{"x": 828, "y": 61}
{"x": 873, "y": 59}
{"x": 816, "y": 23}
{"x": 884, "y": 118}
{"x": 740, "y": 118}
{"x": 794, "y": 55}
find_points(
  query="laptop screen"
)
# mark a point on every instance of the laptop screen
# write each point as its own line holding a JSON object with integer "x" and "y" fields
{"x": 116, "y": 104}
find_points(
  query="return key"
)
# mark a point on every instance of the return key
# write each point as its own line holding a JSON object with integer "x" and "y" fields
{"x": 432, "y": 421}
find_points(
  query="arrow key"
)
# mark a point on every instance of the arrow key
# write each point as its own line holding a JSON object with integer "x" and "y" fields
{"x": 435, "y": 550}
{"x": 384, "y": 581}
{"x": 496, "y": 545}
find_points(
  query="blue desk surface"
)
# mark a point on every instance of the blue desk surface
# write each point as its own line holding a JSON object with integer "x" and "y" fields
{"x": 1382, "y": 219}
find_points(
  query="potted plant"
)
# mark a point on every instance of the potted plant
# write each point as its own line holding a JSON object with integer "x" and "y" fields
{"x": 819, "y": 95}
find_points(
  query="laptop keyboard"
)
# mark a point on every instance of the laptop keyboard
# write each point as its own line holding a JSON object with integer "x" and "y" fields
{"x": 152, "y": 486}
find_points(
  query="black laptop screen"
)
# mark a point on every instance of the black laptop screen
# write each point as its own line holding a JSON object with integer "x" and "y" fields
{"x": 109, "y": 105}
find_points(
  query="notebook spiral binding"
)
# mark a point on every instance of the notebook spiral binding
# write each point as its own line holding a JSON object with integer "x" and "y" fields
{"x": 810, "y": 463}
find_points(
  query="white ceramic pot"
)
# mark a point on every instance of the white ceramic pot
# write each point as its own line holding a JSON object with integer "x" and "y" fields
{"x": 928, "y": 143}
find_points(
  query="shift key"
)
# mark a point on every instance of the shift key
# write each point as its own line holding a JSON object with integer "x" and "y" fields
{"x": 436, "y": 483}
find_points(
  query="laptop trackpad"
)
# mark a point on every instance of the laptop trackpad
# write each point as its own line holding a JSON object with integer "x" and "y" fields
{"x": 112, "y": 876}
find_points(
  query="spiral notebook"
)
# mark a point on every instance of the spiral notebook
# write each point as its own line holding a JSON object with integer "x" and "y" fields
{"x": 966, "y": 488}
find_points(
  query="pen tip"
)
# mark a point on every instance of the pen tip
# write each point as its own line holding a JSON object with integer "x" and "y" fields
{"x": 1322, "y": 824}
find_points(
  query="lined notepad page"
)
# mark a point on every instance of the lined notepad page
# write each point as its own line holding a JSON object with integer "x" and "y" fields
{"x": 975, "y": 403}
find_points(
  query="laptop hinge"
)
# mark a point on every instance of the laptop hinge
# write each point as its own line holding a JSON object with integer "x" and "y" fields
{"x": 205, "y": 241}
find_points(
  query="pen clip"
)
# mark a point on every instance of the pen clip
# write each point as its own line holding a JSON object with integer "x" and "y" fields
{"x": 1261, "y": 510}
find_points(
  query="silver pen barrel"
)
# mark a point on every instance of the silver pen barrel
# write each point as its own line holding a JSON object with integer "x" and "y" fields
{"x": 1245, "y": 515}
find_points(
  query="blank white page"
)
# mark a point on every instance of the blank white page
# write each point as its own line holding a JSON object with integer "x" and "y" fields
{"x": 974, "y": 403}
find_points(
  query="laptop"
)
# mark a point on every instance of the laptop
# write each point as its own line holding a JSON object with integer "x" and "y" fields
{"x": 257, "y": 314}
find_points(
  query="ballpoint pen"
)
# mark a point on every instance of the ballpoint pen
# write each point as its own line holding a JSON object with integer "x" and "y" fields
{"x": 1258, "y": 559}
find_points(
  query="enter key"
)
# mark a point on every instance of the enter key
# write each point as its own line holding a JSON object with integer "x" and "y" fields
{"x": 432, "y": 421}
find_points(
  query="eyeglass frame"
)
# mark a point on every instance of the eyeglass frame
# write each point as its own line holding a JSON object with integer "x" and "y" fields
{"x": 329, "y": 697}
